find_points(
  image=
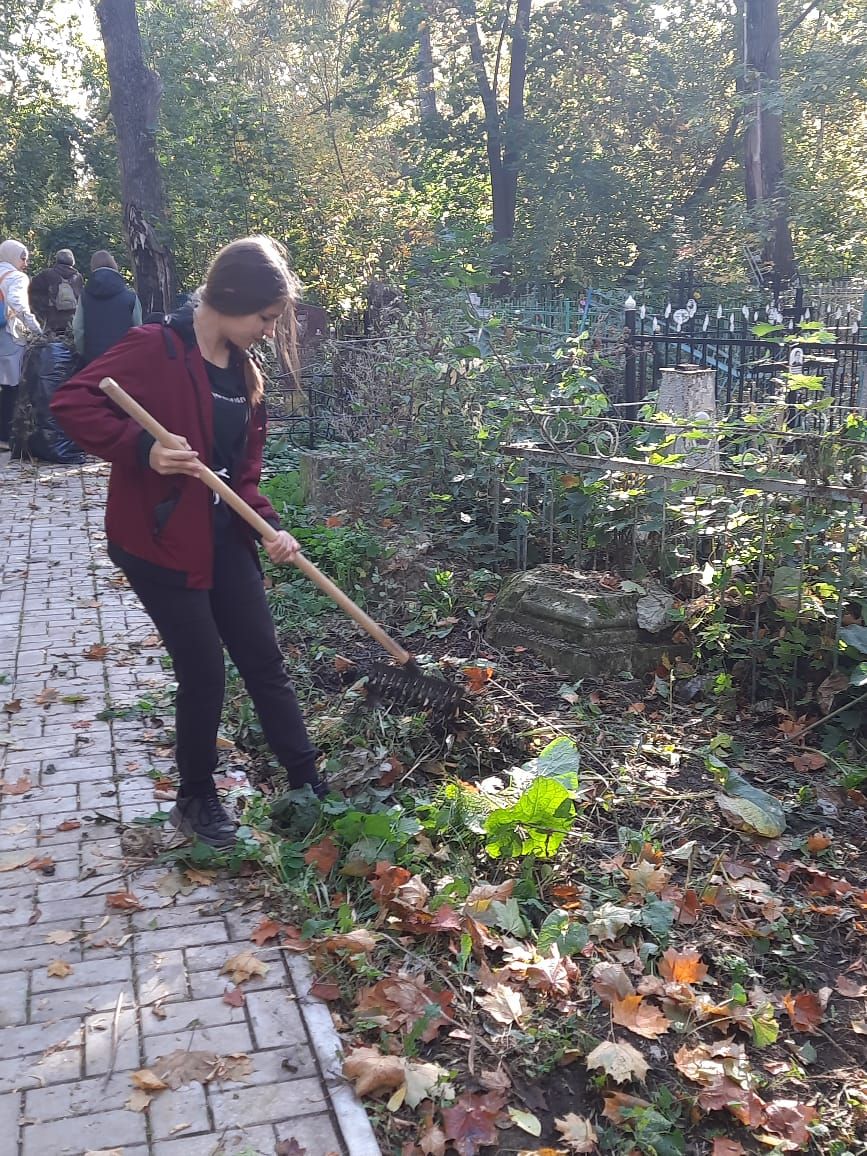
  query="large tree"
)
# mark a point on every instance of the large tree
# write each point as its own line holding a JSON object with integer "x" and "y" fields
{"x": 135, "y": 101}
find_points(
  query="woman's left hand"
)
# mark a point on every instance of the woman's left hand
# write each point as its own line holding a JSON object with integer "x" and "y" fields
{"x": 283, "y": 548}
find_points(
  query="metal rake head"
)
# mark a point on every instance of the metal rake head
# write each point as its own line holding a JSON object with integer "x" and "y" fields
{"x": 409, "y": 687}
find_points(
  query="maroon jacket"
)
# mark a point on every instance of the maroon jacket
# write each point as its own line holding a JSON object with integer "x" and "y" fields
{"x": 167, "y": 520}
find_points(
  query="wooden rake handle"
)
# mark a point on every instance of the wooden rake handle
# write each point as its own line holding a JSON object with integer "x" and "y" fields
{"x": 170, "y": 441}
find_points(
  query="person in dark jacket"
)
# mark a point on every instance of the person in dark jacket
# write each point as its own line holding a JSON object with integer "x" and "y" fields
{"x": 189, "y": 558}
{"x": 107, "y": 310}
{"x": 53, "y": 305}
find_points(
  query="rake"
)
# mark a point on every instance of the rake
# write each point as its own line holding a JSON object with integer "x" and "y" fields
{"x": 404, "y": 683}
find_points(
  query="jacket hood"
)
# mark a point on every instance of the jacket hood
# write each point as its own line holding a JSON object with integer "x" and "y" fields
{"x": 182, "y": 323}
{"x": 105, "y": 283}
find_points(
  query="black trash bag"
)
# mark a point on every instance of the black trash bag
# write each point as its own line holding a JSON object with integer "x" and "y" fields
{"x": 35, "y": 433}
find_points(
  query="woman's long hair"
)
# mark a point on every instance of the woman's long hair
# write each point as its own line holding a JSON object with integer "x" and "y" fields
{"x": 247, "y": 276}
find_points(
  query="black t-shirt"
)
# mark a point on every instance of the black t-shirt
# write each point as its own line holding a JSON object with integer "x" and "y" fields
{"x": 231, "y": 412}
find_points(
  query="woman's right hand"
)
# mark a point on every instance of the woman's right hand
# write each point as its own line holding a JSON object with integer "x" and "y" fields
{"x": 183, "y": 460}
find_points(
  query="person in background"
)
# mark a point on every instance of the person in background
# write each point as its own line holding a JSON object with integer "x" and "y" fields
{"x": 54, "y": 293}
{"x": 17, "y": 322}
{"x": 190, "y": 559}
{"x": 108, "y": 308}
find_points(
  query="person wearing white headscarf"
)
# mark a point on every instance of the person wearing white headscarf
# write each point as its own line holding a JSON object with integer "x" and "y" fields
{"x": 14, "y": 284}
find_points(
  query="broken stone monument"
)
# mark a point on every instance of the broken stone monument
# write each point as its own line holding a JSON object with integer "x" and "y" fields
{"x": 579, "y": 627}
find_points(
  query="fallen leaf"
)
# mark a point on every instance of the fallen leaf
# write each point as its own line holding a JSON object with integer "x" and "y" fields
{"x": 323, "y": 855}
{"x": 243, "y": 966}
{"x": 478, "y": 677}
{"x": 43, "y": 863}
{"x": 342, "y": 664}
{"x": 610, "y": 982}
{"x": 19, "y": 787}
{"x": 642, "y": 1018}
{"x": 13, "y": 706}
{"x": 682, "y": 966}
{"x": 421, "y": 1081}
{"x": 646, "y": 879}
{"x": 46, "y": 696}
{"x": 15, "y": 859}
{"x": 373, "y": 1072}
{"x": 96, "y": 651}
{"x": 504, "y": 1004}
{"x": 124, "y": 901}
{"x": 805, "y": 1011}
{"x": 708, "y": 1064}
{"x": 849, "y": 989}
{"x": 147, "y": 1081}
{"x": 178, "y": 1068}
{"x": 138, "y": 1101}
{"x": 234, "y": 997}
{"x": 526, "y": 1121}
{"x": 725, "y": 1147}
{"x": 59, "y": 968}
{"x": 289, "y": 1147}
{"x": 578, "y": 1133}
{"x": 618, "y": 1060}
{"x": 326, "y": 991}
{"x": 616, "y": 1102}
{"x": 404, "y": 1000}
{"x": 360, "y": 942}
{"x": 788, "y": 1120}
{"x": 267, "y": 929}
{"x": 69, "y": 825}
{"x": 472, "y": 1122}
{"x": 60, "y": 936}
{"x": 819, "y": 841}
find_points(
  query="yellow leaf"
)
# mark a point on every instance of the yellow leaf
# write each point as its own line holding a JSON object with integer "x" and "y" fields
{"x": 59, "y": 968}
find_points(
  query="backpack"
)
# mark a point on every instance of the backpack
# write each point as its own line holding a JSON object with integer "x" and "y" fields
{"x": 4, "y": 311}
{"x": 66, "y": 300}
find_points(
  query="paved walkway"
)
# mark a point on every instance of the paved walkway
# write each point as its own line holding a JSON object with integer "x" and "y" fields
{"x": 90, "y": 993}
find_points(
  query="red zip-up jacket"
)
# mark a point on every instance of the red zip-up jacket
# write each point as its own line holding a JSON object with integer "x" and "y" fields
{"x": 166, "y": 520}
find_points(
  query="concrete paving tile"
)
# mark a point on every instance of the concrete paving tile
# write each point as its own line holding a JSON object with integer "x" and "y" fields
{"x": 100, "y": 1131}
{"x": 269, "y": 1103}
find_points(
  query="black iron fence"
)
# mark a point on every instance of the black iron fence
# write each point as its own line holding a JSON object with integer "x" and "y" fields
{"x": 755, "y": 354}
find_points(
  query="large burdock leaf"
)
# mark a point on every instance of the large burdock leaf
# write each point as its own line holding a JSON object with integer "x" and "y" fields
{"x": 577, "y": 1132}
{"x": 621, "y": 1062}
{"x": 535, "y": 825}
{"x": 749, "y": 809}
{"x": 504, "y": 1004}
{"x": 373, "y": 1072}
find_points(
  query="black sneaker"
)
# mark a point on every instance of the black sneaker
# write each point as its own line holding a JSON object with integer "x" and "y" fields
{"x": 205, "y": 818}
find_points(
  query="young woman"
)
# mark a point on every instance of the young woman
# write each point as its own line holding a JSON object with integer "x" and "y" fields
{"x": 189, "y": 558}
{"x": 14, "y": 284}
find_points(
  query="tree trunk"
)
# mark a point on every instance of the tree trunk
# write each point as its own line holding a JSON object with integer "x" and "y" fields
{"x": 427, "y": 100}
{"x": 763, "y": 140}
{"x": 135, "y": 99}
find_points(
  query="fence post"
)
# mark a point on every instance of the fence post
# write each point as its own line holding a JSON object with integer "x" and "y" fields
{"x": 630, "y": 392}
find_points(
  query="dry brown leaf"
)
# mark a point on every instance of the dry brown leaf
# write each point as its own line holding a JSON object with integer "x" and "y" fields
{"x": 615, "y": 1102}
{"x": 323, "y": 990}
{"x": 19, "y": 787}
{"x": 13, "y": 706}
{"x": 360, "y": 942}
{"x": 243, "y": 966}
{"x": 722, "y": 1146}
{"x": 849, "y": 988}
{"x": 147, "y": 1081}
{"x": 323, "y": 855}
{"x": 234, "y": 997}
{"x": 69, "y": 825}
{"x": 619, "y": 1061}
{"x": 682, "y": 966}
{"x": 504, "y": 1004}
{"x": 646, "y": 879}
{"x": 124, "y": 901}
{"x": 178, "y": 1068}
{"x": 267, "y": 929}
{"x": 610, "y": 982}
{"x": 805, "y": 1011}
{"x": 138, "y": 1101}
{"x": 819, "y": 841}
{"x": 59, "y": 968}
{"x": 46, "y": 696}
{"x": 482, "y": 896}
{"x": 96, "y": 651}
{"x": 577, "y": 1132}
{"x": 642, "y": 1018}
{"x": 200, "y": 878}
{"x": 15, "y": 859}
{"x": 373, "y": 1072}
{"x": 708, "y": 1064}
{"x": 60, "y": 936}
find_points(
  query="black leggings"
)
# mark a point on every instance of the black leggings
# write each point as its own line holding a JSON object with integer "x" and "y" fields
{"x": 8, "y": 402}
{"x": 194, "y": 625}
